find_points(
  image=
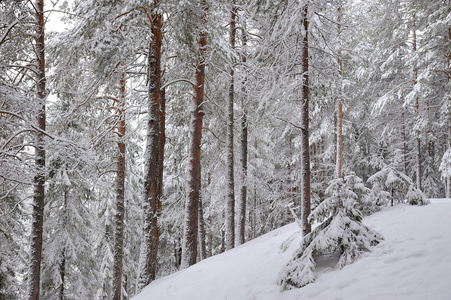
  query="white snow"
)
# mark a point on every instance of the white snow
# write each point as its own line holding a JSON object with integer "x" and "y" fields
{"x": 413, "y": 262}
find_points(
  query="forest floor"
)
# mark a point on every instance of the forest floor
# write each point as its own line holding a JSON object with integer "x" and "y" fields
{"x": 413, "y": 262}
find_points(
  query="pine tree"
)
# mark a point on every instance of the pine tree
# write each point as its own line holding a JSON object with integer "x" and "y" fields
{"x": 154, "y": 153}
{"x": 120, "y": 195}
{"x": 34, "y": 274}
{"x": 230, "y": 206}
{"x": 189, "y": 246}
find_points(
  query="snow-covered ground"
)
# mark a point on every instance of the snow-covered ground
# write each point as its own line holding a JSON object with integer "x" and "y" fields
{"x": 413, "y": 262}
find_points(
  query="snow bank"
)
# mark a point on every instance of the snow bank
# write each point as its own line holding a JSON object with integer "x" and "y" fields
{"x": 413, "y": 262}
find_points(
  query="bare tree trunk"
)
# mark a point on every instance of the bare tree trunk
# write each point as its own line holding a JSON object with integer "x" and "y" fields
{"x": 340, "y": 105}
{"x": 253, "y": 212}
{"x": 230, "y": 207}
{"x": 447, "y": 179}
{"x": 323, "y": 161}
{"x": 243, "y": 190}
{"x": 404, "y": 142}
{"x": 243, "y": 160}
{"x": 417, "y": 107}
{"x": 210, "y": 223}
{"x": 202, "y": 246}
{"x": 189, "y": 248}
{"x": 153, "y": 185}
{"x": 120, "y": 196}
{"x": 34, "y": 274}
{"x": 305, "y": 160}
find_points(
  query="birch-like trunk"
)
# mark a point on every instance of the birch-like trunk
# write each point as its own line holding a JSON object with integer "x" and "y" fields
{"x": 153, "y": 155}
{"x": 230, "y": 205}
{"x": 34, "y": 274}
{"x": 120, "y": 195}
{"x": 305, "y": 160}
{"x": 189, "y": 243}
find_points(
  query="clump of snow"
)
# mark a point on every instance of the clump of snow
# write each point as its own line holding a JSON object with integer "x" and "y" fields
{"x": 412, "y": 262}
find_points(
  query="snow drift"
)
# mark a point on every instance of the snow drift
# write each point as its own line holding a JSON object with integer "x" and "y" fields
{"x": 413, "y": 262}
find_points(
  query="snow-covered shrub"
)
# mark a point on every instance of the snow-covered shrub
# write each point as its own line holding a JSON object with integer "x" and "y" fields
{"x": 445, "y": 165}
{"x": 416, "y": 197}
{"x": 342, "y": 232}
{"x": 390, "y": 185}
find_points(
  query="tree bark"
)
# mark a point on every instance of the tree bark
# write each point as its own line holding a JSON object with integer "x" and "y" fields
{"x": 210, "y": 223}
{"x": 201, "y": 228}
{"x": 323, "y": 162}
{"x": 120, "y": 196}
{"x": 189, "y": 248}
{"x": 202, "y": 245}
{"x": 305, "y": 160}
{"x": 448, "y": 143}
{"x": 404, "y": 142}
{"x": 230, "y": 206}
{"x": 417, "y": 107}
{"x": 34, "y": 274}
{"x": 153, "y": 169}
{"x": 340, "y": 105}
{"x": 243, "y": 160}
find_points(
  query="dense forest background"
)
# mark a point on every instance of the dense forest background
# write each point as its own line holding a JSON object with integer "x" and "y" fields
{"x": 153, "y": 134}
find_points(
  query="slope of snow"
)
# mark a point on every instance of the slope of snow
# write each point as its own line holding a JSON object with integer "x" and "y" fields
{"x": 413, "y": 262}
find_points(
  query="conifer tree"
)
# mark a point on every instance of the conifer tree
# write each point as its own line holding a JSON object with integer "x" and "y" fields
{"x": 341, "y": 231}
{"x": 34, "y": 275}
{"x": 189, "y": 246}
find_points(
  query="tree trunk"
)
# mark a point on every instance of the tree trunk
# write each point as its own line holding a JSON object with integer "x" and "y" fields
{"x": 447, "y": 179}
{"x": 202, "y": 246}
{"x": 230, "y": 207}
{"x": 210, "y": 223}
{"x": 34, "y": 274}
{"x": 323, "y": 161}
{"x": 243, "y": 190}
{"x": 153, "y": 156}
{"x": 243, "y": 160}
{"x": 404, "y": 142}
{"x": 305, "y": 160}
{"x": 120, "y": 196}
{"x": 340, "y": 105}
{"x": 189, "y": 248}
{"x": 417, "y": 108}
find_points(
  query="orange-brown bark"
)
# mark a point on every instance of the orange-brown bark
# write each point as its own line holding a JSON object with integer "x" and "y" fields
{"x": 120, "y": 196}
{"x": 153, "y": 173}
{"x": 189, "y": 249}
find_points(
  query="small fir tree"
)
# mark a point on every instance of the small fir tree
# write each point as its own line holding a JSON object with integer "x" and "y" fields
{"x": 342, "y": 232}
{"x": 390, "y": 185}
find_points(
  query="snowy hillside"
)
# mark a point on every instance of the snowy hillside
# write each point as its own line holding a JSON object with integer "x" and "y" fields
{"x": 413, "y": 262}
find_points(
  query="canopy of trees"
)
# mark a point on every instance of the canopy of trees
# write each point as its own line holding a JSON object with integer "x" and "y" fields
{"x": 146, "y": 136}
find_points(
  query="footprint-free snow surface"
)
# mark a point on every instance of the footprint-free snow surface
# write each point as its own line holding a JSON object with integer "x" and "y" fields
{"x": 413, "y": 262}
